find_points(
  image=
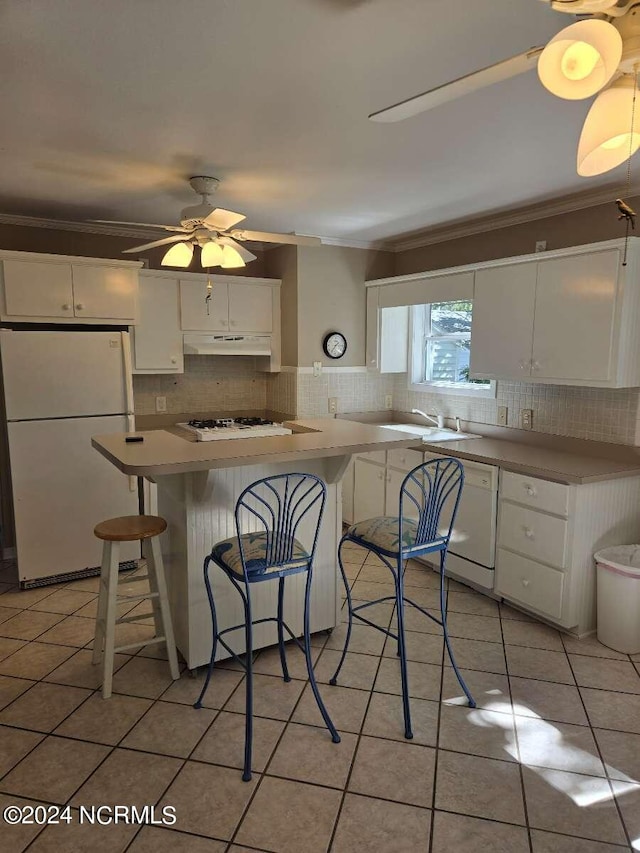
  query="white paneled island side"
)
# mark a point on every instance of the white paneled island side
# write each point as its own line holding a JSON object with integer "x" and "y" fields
{"x": 198, "y": 484}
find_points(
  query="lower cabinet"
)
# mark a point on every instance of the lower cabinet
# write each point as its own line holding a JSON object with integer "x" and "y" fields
{"x": 368, "y": 489}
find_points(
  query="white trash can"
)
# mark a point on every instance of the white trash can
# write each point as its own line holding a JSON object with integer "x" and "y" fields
{"x": 619, "y": 597}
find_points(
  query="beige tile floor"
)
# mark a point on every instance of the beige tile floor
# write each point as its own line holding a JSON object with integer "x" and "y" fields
{"x": 549, "y": 762}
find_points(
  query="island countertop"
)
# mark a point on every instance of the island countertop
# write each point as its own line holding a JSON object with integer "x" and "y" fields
{"x": 167, "y": 451}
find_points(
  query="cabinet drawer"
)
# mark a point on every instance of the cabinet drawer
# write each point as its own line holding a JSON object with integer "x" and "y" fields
{"x": 404, "y": 459}
{"x": 374, "y": 456}
{"x": 541, "y": 494}
{"x": 529, "y": 583}
{"x": 535, "y": 534}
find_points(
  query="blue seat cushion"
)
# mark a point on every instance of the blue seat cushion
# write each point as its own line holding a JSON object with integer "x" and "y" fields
{"x": 383, "y": 534}
{"x": 254, "y": 545}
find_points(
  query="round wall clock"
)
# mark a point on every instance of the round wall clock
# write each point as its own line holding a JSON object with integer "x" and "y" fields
{"x": 334, "y": 344}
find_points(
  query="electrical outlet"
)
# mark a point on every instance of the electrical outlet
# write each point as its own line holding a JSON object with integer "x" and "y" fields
{"x": 317, "y": 368}
{"x": 503, "y": 415}
{"x": 541, "y": 245}
{"x": 333, "y": 405}
{"x": 388, "y": 401}
{"x": 161, "y": 404}
{"x": 526, "y": 418}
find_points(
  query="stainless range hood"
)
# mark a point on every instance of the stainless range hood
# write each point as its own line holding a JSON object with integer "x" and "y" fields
{"x": 199, "y": 344}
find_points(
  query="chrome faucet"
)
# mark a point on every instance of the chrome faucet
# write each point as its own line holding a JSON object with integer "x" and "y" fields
{"x": 437, "y": 421}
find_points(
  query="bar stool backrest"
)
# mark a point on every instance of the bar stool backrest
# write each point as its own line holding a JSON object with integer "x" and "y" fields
{"x": 285, "y": 512}
{"x": 429, "y": 497}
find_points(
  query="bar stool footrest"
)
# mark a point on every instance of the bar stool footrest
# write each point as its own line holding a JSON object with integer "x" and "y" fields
{"x": 139, "y": 645}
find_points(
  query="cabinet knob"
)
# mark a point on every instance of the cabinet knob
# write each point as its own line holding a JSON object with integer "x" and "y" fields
{"x": 535, "y": 365}
{"x": 528, "y": 532}
{"x": 66, "y": 307}
{"x": 380, "y": 474}
{"x": 79, "y": 306}
{"x": 530, "y": 490}
{"x": 234, "y": 323}
{"x": 525, "y": 582}
{"x": 523, "y": 364}
{"x": 174, "y": 360}
{"x": 224, "y": 322}
{"x": 388, "y": 478}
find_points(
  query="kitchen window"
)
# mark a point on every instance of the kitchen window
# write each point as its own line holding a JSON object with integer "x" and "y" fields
{"x": 440, "y": 350}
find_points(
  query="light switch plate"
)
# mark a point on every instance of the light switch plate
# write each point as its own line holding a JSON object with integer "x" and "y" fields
{"x": 317, "y": 368}
{"x": 503, "y": 415}
{"x": 388, "y": 401}
{"x": 526, "y": 418}
{"x": 161, "y": 404}
{"x": 333, "y": 405}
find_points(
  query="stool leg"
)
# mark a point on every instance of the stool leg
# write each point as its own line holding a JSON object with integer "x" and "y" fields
{"x": 112, "y": 554}
{"x": 214, "y": 641}
{"x": 101, "y": 615}
{"x": 334, "y": 678}
{"x": 161, "y": 588}
{"x": 283, "y": 655}
{"x": 443, "y": 614}
{"x": 402, "y": 648}
{"x": 248, "y": 737}
{"x": 147, "y": 553}
{"x": 335, "y": 737}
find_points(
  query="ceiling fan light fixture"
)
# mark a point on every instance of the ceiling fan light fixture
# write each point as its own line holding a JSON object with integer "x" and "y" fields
{"x": 179, "y": 255}
{"x": 580, "y": 59}
{"x": 212, "y": 254}
{"x": 231, "y": 259}
{"x": 607, "y": 136}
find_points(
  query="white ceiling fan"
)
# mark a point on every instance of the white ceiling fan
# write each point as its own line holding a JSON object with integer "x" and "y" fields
{"x": 598, "y": 53}
{"x": 211, "y": 228}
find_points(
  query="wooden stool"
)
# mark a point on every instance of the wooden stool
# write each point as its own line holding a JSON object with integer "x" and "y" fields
{"x": 145, "y": 528}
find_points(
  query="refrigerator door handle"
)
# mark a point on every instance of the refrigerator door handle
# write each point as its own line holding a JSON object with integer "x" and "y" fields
{"x": 128, "y": 374}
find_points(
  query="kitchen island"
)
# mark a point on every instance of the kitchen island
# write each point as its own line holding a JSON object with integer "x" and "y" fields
{"x": 198, "y": 484}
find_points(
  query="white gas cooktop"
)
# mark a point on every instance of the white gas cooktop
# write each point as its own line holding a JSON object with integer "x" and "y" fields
{"x": 227, "y": 428}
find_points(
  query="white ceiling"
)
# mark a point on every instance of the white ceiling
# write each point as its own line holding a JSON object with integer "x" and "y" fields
{"x": 107, "y": 107}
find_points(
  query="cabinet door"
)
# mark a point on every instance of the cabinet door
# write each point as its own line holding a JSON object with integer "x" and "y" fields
{"x": 157, "y": 339}
{"x": 104, "y": 292}
{"x": 574, "y": 317}
{"x": 372, "y": 328}
{"x": 37, "y": 289}
{"x": 200, "y": 315}
{"x": 250, "y": 308}
{"x": 502, "y": 325}
{"x": 368, "y": 490}
{"x": 394, "y": 339}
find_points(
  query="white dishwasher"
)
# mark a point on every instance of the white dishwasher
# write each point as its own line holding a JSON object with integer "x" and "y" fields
{"x": 472, "y": 548}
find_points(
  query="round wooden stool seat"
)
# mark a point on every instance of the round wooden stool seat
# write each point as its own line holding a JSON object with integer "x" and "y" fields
{"x": 128, "y": 528}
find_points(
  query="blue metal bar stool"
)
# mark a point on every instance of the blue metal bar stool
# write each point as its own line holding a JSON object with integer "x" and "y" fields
{"x": 429, "y": 498}
{"x": 279, "y": 509}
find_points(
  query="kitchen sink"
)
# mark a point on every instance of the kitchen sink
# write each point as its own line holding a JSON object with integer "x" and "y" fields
{"x": 430, "y": 435}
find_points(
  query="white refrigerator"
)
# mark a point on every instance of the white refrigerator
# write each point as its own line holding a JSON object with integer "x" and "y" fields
{"x": 60, "y": 389}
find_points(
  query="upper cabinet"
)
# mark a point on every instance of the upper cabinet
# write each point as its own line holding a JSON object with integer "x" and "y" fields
{"x": 570, "y": 319}
{"x": 53, "y": 288}
{"x": 235, "y": 305}
{"x": 157, "y": 337}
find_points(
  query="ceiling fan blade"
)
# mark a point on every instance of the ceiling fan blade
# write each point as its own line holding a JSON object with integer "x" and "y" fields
{"x": 270, "y": 237}
{"x": 142, "y": 225}
{"x": 503, "y": 70}
{"x": 245, "y": 254}
{"x": 222, "y": 219}
{"x": 176, "y": 238}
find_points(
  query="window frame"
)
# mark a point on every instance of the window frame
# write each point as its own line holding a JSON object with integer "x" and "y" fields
{"x": 419, "y": 320}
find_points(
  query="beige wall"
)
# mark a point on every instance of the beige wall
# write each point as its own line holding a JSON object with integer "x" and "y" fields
{"x": 20, "y": 238}
{"x": 568, "y": 229}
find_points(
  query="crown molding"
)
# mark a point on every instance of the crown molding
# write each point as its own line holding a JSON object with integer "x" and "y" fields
{"x": 346, "y": 243}
{"x": 83, "y": 227}
{"x": 508, "y": 218}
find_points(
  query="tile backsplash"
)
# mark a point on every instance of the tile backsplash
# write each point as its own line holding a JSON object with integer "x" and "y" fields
{"x": 220, "y": 384}
{"x": 227, "y": 383}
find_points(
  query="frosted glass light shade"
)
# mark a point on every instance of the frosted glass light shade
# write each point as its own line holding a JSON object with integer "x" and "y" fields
{"x": 607, "y": 137}
{"x": 212, "y": 255}
{"x": 580, "y": 59}
{"x": 231, "y": 258}
{"x": 178, "y": 256}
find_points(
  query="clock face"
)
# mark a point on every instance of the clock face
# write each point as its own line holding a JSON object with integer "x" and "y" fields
{"x": 335, "y": 345}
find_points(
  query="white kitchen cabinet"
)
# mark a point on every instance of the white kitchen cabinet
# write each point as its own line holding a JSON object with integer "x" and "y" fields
{"x": 347, "y": 493}
{"x": 157, "y": 337}
{"x": 368, "y": 489}
{"x": 200, "y": 314}
{"x": 235, "y": 306}
{"x": 570, "y": 319}
{"x": 61, "y": 289}
{"x": 502, "y": 325}
{"x": 574, "y": 318}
